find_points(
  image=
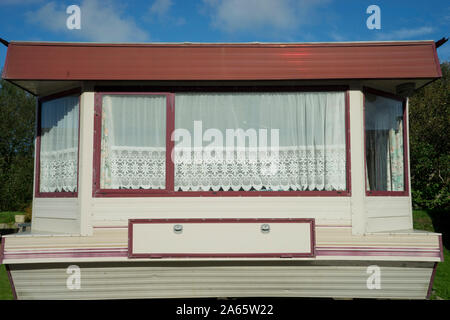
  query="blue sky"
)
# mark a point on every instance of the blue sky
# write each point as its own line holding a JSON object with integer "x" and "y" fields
{"x": 224, "y": 21}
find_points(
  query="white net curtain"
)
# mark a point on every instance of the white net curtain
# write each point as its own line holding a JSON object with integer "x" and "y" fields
{"x": 59, "y": 145}
{"x": 309, "y": 153}
{"x": 133, "y": 146}
{"x": 384, "y": 144}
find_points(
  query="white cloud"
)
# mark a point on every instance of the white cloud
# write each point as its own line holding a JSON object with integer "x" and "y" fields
{"x": 18, "y": 2}
{"x": 337, "y": 36}
{"x": 101, "y": 21}
{"x": 253, "y": 15}
{"x": 41, "y": 16}
{"x": 161, "y": 7}
{"x": 405, "y": 33}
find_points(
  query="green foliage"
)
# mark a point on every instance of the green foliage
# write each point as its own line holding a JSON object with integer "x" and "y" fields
{"x": 8, "y": 217}
{"x": 5, "y": 287}
{"x": 430, "y": 144}
{"x": 425, "y": 220}
{"x": 17, "y": 117}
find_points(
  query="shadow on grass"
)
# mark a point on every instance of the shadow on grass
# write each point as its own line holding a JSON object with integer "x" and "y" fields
{"x": 441, "y": 224}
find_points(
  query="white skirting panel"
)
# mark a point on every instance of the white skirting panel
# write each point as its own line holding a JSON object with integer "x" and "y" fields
{"x": 133, "y": 280}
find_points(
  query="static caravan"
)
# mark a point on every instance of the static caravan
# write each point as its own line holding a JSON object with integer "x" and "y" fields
{"x": 222, "y": 170}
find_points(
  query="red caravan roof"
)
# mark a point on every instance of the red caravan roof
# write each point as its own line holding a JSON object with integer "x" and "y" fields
{"x": 252, "y": 61}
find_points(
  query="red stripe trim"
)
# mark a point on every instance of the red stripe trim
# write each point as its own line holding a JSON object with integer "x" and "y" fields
{"x": 19, "y": 251}
{"x": 380, "y": 248}
{"x": 2, "y": 249}
{"x": 65, "y": 255}
{"x": 222, "y": 255}
{"x": 110, "y": 227}
{"x": 124, "y": 253}
{"x": 120, "y": 193}
{"x": 376, "y": 253}
{"x": 223, "y": 220}
{"x": 441, "y": 248}
{"x": 333, "y": 226}
{"x": 317, "y": 226}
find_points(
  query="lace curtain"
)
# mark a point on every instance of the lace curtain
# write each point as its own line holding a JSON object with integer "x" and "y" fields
{"x": 59, "y": 145}
{"x": 384, "y": 144}
{"x": 133, "y": 146}
{"x": 309, "y": 153}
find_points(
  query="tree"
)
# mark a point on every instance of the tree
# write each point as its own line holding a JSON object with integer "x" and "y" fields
{"x": 429, "y": 116}
{"x": 17, "y": 118}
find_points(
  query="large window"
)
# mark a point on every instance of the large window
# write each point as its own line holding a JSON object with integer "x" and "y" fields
{"x": 385, "y": 144}
{"x": 221, "y": 143}
{"x": 58, "y": 146}
{"x": 279, "y": 141}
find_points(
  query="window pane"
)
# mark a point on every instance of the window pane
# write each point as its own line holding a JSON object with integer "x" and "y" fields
{"x": 133, "y": 146}
{"x": 59, "y": 145}
{"x": 384, "y": 144}
{"x": 279, "y": 141}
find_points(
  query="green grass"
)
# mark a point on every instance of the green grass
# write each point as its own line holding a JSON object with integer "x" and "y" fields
{"x": 8, "y": 216}
{"x": 441, "y": 285}
{"x": 422, "y": 221}
{"x": 5, "y": 287}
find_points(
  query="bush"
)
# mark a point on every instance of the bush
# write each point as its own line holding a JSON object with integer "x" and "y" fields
{"x": 28, "y": 213}
{"x": 429, "y": 116}
{"x": 17, "y": 109}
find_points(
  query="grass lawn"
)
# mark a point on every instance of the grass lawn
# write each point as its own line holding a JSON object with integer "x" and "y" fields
{"x": 8, "y": 216}
{"x": 422, "y": 221}
{"x": 441, "y": 285}
{"x": 5, "y": 288}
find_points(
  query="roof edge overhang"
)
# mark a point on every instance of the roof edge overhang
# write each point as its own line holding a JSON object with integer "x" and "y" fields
{"x": 28, "y": 62}
{"x": 224, "y": 44}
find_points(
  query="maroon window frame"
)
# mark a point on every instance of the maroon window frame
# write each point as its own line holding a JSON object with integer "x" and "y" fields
{"x": 170, "y": 93}
{"x": 64, "y": 194}
{"x": 170, "y": 122}
{"x": 389, "y": 95}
